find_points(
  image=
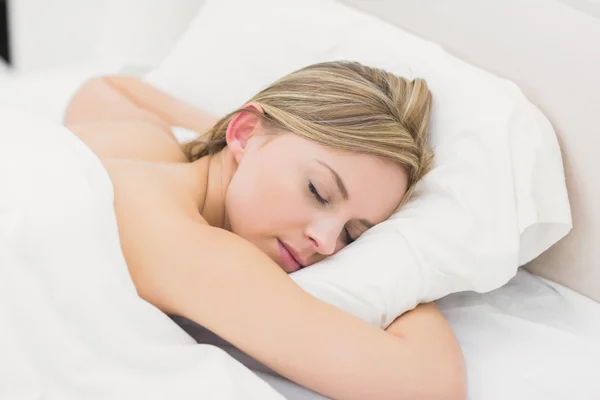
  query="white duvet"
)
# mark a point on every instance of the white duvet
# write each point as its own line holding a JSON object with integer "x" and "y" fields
{"x": 71, "y": 323}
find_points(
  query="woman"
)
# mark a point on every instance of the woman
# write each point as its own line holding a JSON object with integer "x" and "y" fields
{"x": 210, "y": 229}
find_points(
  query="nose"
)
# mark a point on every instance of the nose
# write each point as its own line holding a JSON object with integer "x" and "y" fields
{"x": 324, "y": 234}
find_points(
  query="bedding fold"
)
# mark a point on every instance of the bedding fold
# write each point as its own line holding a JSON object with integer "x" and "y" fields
{"x": 71, "y": 322}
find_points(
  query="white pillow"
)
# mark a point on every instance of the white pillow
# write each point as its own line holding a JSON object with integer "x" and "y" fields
{"x": 495, "y": 199}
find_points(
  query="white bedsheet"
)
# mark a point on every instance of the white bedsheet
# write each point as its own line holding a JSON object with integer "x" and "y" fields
{"x": 531, "y": 339}
{"x": 71, "y": 323}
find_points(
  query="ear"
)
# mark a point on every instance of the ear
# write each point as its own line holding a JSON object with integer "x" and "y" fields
{"x": 242, "y": 127}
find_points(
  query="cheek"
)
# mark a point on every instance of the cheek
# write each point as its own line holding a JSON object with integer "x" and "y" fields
{"x": 245, "y": 208}
{"x": 263, "y": 202}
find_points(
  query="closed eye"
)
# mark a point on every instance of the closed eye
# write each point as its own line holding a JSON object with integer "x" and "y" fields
{"x": 348, "y": 238}
{"x": 314, "y": 191}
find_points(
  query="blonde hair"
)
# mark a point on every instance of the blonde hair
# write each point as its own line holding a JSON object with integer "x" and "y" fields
{"x": 346, "y": 106}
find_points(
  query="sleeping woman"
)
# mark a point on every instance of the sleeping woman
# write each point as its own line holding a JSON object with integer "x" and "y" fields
{"x": 211, "y": 228}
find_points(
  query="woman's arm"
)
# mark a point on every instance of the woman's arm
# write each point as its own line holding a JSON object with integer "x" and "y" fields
{"x": 426, "y": 328}
{"x": 239, "y": 293}
{"x": 118, "y": 98}
{"x": 122, "y": 117}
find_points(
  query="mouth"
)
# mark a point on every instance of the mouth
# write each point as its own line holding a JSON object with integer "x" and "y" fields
{"x": 290, "y": 262}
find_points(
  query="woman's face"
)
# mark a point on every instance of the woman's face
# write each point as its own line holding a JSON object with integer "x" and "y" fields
{"x": 300, "y": 202}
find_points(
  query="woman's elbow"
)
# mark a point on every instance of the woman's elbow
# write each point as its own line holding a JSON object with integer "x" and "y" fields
{"x": 456, "y": 385}
{"x": 444, "y": 381}
{"x": 438, "y": 360}
{"x": 449, "y": 378}
{"x": 441, "y": 372}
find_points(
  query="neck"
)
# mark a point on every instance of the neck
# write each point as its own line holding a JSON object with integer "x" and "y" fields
{"x": 218, "y": 169}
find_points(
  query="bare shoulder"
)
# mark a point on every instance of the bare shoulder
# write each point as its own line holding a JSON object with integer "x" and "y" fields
{"x": 166, "y": 242}
{"x": 154, "y": 212}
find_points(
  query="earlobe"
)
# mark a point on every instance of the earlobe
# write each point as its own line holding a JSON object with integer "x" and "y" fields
{"x": 242, "y": 127}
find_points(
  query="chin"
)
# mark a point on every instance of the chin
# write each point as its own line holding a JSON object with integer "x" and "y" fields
{"x": 270, "y": 249}
{"x": 274, "y": 255}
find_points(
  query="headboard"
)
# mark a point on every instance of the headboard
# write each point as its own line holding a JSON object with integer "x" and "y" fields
{"x": 551, "y": 49}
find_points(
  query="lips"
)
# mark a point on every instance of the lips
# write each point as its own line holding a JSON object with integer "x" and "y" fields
{"x": 289, "y": 257}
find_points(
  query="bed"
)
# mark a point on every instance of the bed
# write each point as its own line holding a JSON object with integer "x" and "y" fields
{"x": 537, "y": 337}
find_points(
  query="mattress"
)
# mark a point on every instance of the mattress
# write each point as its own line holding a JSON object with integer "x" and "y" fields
{"x": 530, "y": 339}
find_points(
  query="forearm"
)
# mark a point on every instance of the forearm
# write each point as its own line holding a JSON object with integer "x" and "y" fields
{"x": 114, "y": 98}
{"x": 245, "y": 298}
{"x": 170, "y": 109}
{"x": 426, "y": 328}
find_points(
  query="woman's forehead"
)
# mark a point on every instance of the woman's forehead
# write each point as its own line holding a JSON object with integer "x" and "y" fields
{"x": 374, "y": 182}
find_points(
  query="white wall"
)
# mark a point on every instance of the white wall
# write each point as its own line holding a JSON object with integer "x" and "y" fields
{"x": 142, "y": 32}
{"x": 590, "y": 7}
{"x": 51, "y": 33}
{"x": 54, "y": 33}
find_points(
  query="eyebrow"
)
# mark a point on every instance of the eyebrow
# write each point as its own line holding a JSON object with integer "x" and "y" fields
{"x": 337, "y": 178}
{"x": 343, "y": 190}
